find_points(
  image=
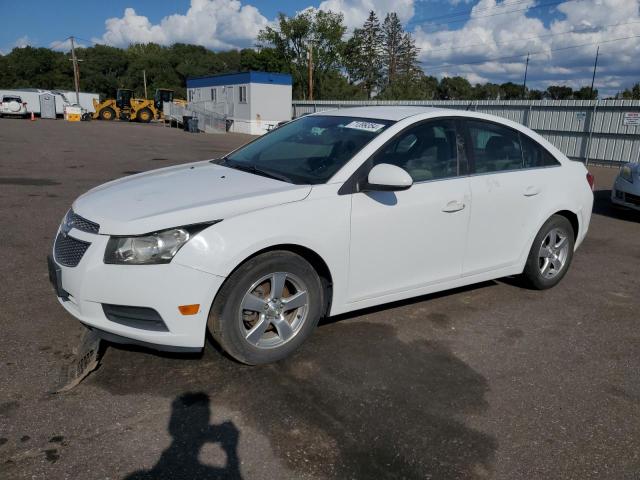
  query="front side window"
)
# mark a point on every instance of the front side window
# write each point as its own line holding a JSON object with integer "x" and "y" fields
{"x": 428, "y": 151}
{"x": 495, "y": 148}
{"x": 214, "y": 95}
{"x": 242, "y": 92}
{"x": 309, "y": 150}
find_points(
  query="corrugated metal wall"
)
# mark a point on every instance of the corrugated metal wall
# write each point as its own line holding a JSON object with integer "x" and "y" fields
{"x": 591, "y": 131}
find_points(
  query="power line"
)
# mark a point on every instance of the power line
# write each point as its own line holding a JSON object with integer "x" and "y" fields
{"x": 486, "y": 60}
{"x": 585, "y": 30}
{"x": 549, "y": 4}
{"x": 466, "y": 12}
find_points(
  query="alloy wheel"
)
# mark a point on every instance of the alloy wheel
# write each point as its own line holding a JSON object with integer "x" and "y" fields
{"x": 273, "y": 310}
{"x": 553, "y": 253}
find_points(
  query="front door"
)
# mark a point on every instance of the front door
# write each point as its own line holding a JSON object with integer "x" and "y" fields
{"x": 409, "y": 239}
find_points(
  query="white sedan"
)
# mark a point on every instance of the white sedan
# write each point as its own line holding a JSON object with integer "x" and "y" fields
{"x": 330, "y": 213}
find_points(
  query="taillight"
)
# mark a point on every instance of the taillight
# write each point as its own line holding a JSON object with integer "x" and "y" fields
{"x": 591, "y": 180}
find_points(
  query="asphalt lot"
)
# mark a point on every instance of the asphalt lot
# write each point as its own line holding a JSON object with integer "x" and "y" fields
{"x": 494, "y": 381}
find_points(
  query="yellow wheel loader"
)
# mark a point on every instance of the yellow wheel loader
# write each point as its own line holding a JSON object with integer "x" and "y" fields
{"x": 125, "y": 107}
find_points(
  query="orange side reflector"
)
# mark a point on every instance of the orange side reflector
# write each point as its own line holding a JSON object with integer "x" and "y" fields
{"x": 189, "y": 309}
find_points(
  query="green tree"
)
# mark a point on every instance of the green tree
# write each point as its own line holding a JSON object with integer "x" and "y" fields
{"x": 559, "y": 92}
{"x": 585, "y": 94}
{"x": 632, "y": 93}
{"x": 510, "y": 91}
{"x": 30, "y": 67}
{"x": 102, "y": 69}
{"x": 364, "y": 55}
{"x": 263, "y": 59}
{"x": 392, "y": 49}
{"x": 315, "y": 30}
{"x": 535, "y": 94}
{"x": 486, "y": 91}
{"x": 454, "y": 88}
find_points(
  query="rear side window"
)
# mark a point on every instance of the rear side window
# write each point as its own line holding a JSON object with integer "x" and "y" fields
{"x": 533, "y": 155}
{"x": 495, "y": 148}
{"x": 428, "y": 151}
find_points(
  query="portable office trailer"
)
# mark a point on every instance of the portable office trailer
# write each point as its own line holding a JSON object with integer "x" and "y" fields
{"x": 62, "y": 97}
{"x": 252, "y": 102}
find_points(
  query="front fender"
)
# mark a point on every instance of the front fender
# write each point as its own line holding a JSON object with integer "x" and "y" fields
{"x": 319, "y": 223}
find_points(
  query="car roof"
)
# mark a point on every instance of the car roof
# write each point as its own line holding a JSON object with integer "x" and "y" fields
{"x": 395, "y": 112}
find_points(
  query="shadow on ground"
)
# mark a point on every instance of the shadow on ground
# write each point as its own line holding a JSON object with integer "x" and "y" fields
{"x": 190, "y": 430}
{"x": 354, "y": 402}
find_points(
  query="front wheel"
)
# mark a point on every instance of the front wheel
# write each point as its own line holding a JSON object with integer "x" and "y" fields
{"x": 551, "y": 253}
{"x": 267, "y": 308}
{"x": 107, "y": 114}
{"x": 144, "y": 116}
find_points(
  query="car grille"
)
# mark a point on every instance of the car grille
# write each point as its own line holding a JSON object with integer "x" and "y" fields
{"x": 81, "y": 223}
{"x": 68, "y": 250}
{"x": 631, "y": 198}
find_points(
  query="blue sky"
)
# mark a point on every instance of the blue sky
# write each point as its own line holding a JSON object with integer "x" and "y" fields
{"x": 562, "y": 34}
{"x": 43, "y": 24}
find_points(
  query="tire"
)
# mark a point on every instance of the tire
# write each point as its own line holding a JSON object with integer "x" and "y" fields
{"x": 551, "y": 254}
{"x": 144, "y": 116}
{"x": 107, "y": 114}
{"x": 270, "y": 340}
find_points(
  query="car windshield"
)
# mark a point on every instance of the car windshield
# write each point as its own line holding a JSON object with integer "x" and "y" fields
{"x": 12, "y": 99}
{"x": 309, "y": 150}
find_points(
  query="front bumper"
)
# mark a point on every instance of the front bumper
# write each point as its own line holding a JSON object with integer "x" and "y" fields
{"x": 84, "y": 289}
{"x": 626, "y": 194}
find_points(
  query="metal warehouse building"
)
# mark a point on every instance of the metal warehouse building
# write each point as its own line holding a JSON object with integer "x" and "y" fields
{"x": 252, "y": 102}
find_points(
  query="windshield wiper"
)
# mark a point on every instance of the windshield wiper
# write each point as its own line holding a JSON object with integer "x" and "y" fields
{"x": 255, "y": 170}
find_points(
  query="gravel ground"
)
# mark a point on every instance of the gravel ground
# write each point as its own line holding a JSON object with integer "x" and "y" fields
{"x": 493, "y": 381}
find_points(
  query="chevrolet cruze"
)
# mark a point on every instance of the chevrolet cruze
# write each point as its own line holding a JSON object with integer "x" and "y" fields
{"x": 330, "y": 213}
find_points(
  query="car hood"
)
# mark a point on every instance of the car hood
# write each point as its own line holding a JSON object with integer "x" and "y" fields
{"x": 181, "y": 195}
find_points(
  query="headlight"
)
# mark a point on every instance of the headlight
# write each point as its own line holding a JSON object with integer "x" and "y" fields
{"x": 627, "y": 174}
{"x": 155, "y": 248}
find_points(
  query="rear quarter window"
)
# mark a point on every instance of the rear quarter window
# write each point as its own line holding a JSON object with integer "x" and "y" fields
{"x": 534, "y": 155}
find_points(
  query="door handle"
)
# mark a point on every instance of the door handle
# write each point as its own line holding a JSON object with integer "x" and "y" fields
{"x": 531, "y": 190}
{"x": 453, "y": 206}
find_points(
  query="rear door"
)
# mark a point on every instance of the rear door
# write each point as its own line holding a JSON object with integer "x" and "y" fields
{"x": 509, "y": 189}
{"x": 408, "y": 239}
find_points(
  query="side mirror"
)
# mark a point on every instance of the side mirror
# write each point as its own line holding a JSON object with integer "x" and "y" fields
{"x": 387, "y": 178}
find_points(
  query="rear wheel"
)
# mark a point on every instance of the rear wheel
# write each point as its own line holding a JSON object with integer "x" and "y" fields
{"x": 551, "y": 253}
{"x": 107, "y": 114}
{"x": 267, "y": 308}
{"x": 145, "y": 115}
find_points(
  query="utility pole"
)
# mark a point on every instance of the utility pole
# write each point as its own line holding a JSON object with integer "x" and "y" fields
{"x": 144, "y": 79}
{"x": 593, "y": 79}
{"x": 310, "y": 70}
{"x": 76, "y": 70}
{"x": 524, "y": 84}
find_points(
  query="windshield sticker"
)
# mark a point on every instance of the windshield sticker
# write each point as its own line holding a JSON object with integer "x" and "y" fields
{"x": 366, "y": 126}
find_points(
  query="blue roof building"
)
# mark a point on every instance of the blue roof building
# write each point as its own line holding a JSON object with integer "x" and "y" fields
{"x": 253, "y": 102}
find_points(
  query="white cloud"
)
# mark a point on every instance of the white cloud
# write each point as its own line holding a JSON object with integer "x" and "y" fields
{"x": 22, "y": 42}
{"x": 216, "y": 24}
{"x": 489, "y": 33}
{"x": 356, "y": 11}
{"x": 65, "y": 45}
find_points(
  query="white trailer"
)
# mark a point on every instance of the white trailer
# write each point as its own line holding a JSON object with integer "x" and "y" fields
{"x": 252, "y": 102}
